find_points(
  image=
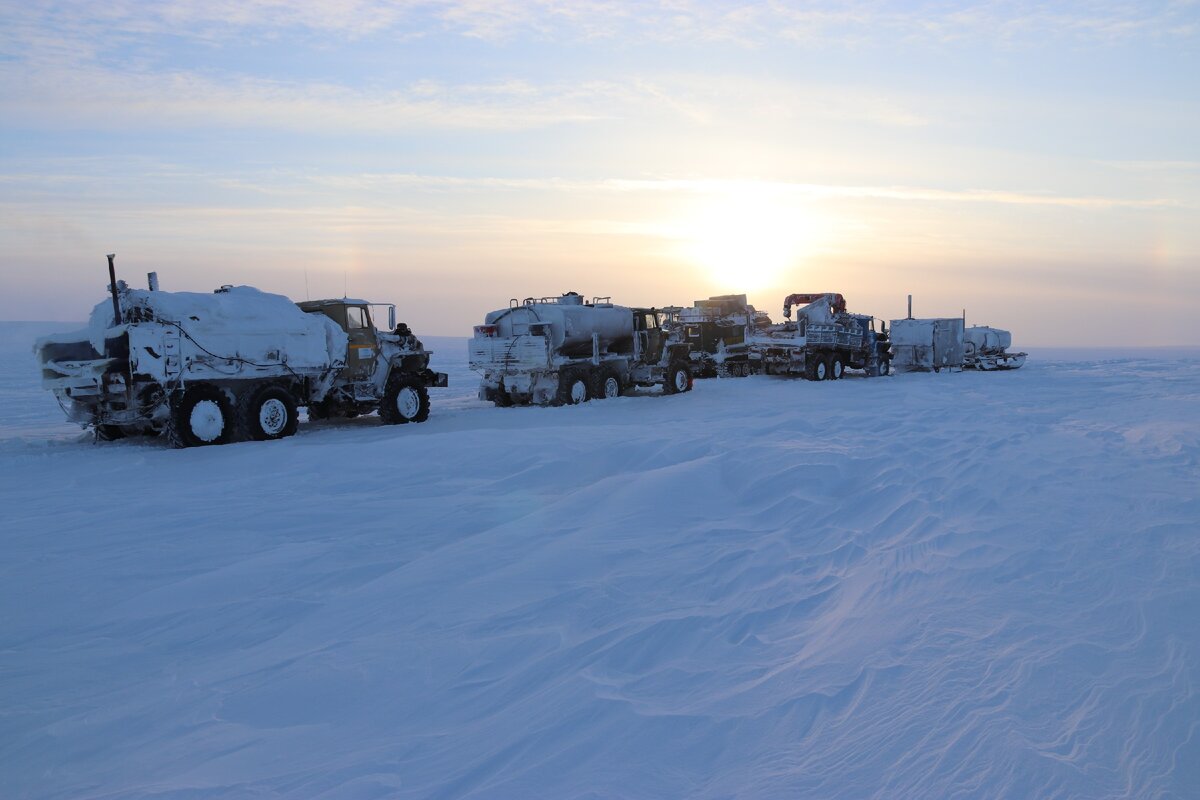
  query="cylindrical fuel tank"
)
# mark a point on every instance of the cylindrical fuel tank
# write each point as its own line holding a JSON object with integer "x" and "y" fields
{"x": 567, "y": 325}
{"x": 988, "y": 340}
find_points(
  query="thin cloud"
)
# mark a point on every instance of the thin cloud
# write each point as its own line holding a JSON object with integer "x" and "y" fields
{"x": 389, "y": 185}
{"x": 94, "y": 97}
{"x": 747, "y": 23}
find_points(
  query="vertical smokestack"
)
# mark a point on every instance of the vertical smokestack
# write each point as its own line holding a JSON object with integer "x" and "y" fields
{"x": 112, "y": 285}
{"x": 152, "y": 280}
{"x": 910, "y": 306}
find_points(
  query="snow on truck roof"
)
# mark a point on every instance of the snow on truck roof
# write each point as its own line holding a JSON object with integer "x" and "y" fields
{"x": 229, "y": 310}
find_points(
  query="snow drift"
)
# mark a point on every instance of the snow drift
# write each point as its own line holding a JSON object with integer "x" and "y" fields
{"x": 954, "y": 585}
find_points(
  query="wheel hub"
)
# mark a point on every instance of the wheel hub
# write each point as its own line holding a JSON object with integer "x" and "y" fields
{"x": 207, "y": 421}
{"x": 273, "y": 417}
{"x": 578, "y": 392}
{"x": 408, "y": 402}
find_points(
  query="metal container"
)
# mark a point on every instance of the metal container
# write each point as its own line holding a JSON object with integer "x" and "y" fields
{"x": 984, "y": 340}
{"x": 927, "y": 344}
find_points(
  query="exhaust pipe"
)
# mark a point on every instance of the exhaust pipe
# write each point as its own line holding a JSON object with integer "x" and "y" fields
{"x": 112, "y": 285}
{"x": 152, "y": 281}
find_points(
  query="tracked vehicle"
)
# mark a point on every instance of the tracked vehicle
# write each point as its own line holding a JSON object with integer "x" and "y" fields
{"x": 719, "y": 331}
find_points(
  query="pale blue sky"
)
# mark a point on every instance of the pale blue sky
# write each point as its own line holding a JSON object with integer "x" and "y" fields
{"x": 1038, "y": 167}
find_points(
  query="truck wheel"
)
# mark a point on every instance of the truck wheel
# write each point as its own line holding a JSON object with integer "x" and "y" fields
{"x": 269, "y": 413}
{"x": 816, "y": 368}
{"x": 202, "y": 416}
{"x": 405, "y": 400}
{"x": 109, "y": 433}
{"x": 606, "y": 385}
{"x": 501, "y": 398}
{"x": 679, "y": 378}
{"x": 572, "y": 388}
{"x": 317, "y": 411}
{"x": 837, "y": 367}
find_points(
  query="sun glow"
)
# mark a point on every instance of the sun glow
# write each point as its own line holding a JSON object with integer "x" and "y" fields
{"x": 748, "y": 240}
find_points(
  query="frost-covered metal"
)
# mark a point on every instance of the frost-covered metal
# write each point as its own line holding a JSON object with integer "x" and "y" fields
{"x": 934, "y": 343}
{"x": 986, "y": 348}
{"x": 236, "y": 363}
{"x": 562, "y": 350}
{"x": 822, "y": 342}
{"x": 938, "y": 343}
{"x": 719, "y": 331}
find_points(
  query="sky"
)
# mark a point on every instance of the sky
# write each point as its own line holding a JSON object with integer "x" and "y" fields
{"x": 1037, "y": 165}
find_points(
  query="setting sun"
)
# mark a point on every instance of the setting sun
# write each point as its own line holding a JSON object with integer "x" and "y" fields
{"x": 749, "y": 238}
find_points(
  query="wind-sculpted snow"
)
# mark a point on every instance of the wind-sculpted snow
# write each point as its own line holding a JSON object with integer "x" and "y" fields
{"x": 925, "y": 586}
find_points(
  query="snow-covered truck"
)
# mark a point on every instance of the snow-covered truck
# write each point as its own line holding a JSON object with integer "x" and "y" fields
{"x": 719, "y": 331}
{"x": 562, "y": 351}
{"x": 232, "y": 365}
{"x": 822, "y": 342}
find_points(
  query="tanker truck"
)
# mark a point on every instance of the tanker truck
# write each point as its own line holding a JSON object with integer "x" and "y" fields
{"x": 986, "y": 348}
{"x": 563, "y": 351}
{"x": 232, "y": 365}
{"x": 822, "y": 342}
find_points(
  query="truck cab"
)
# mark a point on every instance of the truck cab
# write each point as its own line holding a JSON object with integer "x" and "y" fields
{"x": 354, "y": 317}
{"x": 648, "y": 335}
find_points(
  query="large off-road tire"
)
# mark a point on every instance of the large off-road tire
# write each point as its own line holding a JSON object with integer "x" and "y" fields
{"x": 816, "y": 367}
{"x": 405, "y": 399}
{"x": 572, "y": 387}
{"x": 109, "y": 433}
{"x": 268, "y": 413}
{"x": 202, "y": 415}
{"x": 837, "y": 367}
{"x": 605, "y": 384}
{"x": 319, "y": 411}
{"x": 679, "y": 378}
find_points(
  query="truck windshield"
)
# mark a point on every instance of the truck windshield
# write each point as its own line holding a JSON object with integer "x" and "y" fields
{"x": 356, "y": 317}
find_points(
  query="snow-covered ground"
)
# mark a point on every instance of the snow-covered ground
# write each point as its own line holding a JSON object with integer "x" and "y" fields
{"x": 925, "y": 586}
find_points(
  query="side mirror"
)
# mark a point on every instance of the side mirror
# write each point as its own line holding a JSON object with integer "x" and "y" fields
{"x": 391, "y": 318}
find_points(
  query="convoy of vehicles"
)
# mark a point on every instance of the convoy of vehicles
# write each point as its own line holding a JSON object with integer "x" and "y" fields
{"x": 238, "y": 364}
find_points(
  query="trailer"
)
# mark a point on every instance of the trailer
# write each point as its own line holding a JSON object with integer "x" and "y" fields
{"x": 927, "y": 345}
{"x": 986, "y": 348}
